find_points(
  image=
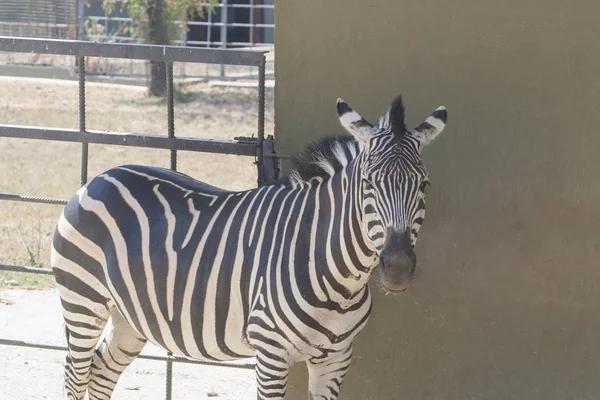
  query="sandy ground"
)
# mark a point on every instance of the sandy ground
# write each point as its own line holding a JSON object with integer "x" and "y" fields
{"x": 30, "y": 374}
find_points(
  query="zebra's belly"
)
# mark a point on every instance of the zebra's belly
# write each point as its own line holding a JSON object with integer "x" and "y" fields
{"x": 210, "y": 331}
{"x": 214, "y": 354}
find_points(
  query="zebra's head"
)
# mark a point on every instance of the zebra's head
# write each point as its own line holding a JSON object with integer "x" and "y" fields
{"x": 392, "y": 185}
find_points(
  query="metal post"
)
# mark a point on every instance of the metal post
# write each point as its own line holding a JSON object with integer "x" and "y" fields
{"x": 80, "y": 20}
{"x": 171, "y": 112}
{"x": 169, "y": 383}
{"x": 271, "y": 163}
{"x": 252, "y": 7}
{"x": 252, "y": 26}
{"x": 209, "y": 37}
{"x": 260, "y": 159}
{"x": 185, "y": 36}
{"x": 105, "y": 36}
{"x": 84, "y": 146}
{"x": 224, "y": 5}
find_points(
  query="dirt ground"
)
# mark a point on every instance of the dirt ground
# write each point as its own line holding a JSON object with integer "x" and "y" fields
{"x": 40, "y": 168}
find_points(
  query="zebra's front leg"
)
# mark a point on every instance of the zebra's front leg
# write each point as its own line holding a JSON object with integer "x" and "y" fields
{"x": 271, "y": 375}
{"x": 325, "y": 375}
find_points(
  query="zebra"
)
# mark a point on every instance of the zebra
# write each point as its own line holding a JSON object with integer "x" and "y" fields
{"x": 278, "y": 273}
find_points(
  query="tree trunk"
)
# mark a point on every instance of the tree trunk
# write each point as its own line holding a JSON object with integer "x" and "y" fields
{"x": 157, "y": 34}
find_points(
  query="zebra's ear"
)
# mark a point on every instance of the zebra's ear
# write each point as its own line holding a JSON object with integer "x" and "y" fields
{"x": 356, "y": 125}
{"x": 431, "y": 127}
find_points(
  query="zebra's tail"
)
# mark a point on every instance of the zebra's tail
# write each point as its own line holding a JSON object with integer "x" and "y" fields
{"x": 67, "y": 333}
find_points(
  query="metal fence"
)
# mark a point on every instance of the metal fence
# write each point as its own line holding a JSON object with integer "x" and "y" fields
{"x": 260, "y": 147}
{"x": 221, "y": 26}
{"x": 115, "y": 28}
{"x": 51, "y": 19}
{"x": 226, "y": 24}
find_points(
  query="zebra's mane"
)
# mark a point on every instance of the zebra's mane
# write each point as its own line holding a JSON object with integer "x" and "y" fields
{"x": 322, "y": 159}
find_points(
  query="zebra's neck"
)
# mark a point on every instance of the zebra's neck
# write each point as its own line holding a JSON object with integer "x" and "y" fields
{"x": 344, "y": 259}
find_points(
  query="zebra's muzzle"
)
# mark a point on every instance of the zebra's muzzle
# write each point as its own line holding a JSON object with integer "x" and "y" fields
{"x": 397, "y": 261}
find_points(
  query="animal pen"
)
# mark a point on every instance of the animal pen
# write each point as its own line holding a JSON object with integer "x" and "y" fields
{"x": 260, "y": 147}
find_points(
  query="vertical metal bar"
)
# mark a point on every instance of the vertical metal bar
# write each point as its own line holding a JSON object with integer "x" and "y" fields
{"x": 209, "y": 37}
{"x": 260, "y": 159}
{"x": 252, "y": 7}
{"x": 105, "y": 36}
{"x": 80, "y": 19}
{"x": 84, "y": 146}
{"x": 209, "y": 27}
{"x": 107, "y": 29}
{"x": 169, "y": 383}
{"x": 171, "y": 112}
{"x": 185, "y": 40}
{"x": 224, "y": 6}
{"x": 252, "y": 25}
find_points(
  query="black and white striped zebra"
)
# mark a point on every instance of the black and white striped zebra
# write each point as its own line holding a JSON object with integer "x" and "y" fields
{"x": 278, "y": 272}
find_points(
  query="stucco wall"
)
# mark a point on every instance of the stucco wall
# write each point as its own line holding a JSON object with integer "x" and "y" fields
{"x": 506, "y": 303}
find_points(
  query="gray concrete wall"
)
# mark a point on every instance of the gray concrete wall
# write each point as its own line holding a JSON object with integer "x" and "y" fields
{"x": 506, "y": 303}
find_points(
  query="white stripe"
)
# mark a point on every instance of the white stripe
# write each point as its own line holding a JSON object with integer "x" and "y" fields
{"x": 171, "y": 254}
{"x": 64, "y": 264}
{"x": 209, "y": 338}
{"x": 261, "y": 235}
{"x": 312, "y": 268}
{"x": 349, "y": 118}
{"x": 235, "y": 323}
{"x": 154, "y": 178}
{"x": 71, "y": 234}
{"x": 438, "y": 124}
{"x": 187, "y": 319}
{"x": 124, "y": 266}
{"x": 340, "y": 154}
{"x": 195, "y": 215}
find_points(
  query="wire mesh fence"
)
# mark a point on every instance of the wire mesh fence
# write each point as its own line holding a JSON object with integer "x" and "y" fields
{"x": 51, "y": 19}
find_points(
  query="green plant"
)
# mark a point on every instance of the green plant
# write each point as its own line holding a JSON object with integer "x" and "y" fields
{"x": 32, "y": 245}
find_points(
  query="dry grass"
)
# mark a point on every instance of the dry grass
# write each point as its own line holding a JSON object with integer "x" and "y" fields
{"x": 42, "y": 168}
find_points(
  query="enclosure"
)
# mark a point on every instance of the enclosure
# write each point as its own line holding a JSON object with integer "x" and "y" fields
{"x": 506, "y": 299}
{"x": 255, "y": 146}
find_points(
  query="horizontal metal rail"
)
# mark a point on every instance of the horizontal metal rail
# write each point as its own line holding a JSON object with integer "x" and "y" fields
{"x": 221, "y": 5}
{"x": 183, "y": 42}
{"x": 32, "y": 199}
{"x": 231, "y": 24}
{"x": 29, "y": 270}
{"x": 129, "y": 139}
{"x": 199, "y": 23}
{"x": 20, "y": 343}
{"x": 205, "y": 5}
{"x": 137, "y": 52}
{"x": 35, "y": 24}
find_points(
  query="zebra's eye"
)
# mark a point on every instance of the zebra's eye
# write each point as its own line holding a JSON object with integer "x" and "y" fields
{"x": 424, "y": 185}
{"x": 367, "y": 184}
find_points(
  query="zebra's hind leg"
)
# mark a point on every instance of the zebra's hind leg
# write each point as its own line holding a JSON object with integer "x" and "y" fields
{"x": 121, "y": 345}
{"x": 85, "y": 317}
{"x": 271, "y": 375}
{"x": 325, "y": 376}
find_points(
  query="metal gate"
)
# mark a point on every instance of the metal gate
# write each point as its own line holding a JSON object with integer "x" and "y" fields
{"x": 260, "y": 147}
